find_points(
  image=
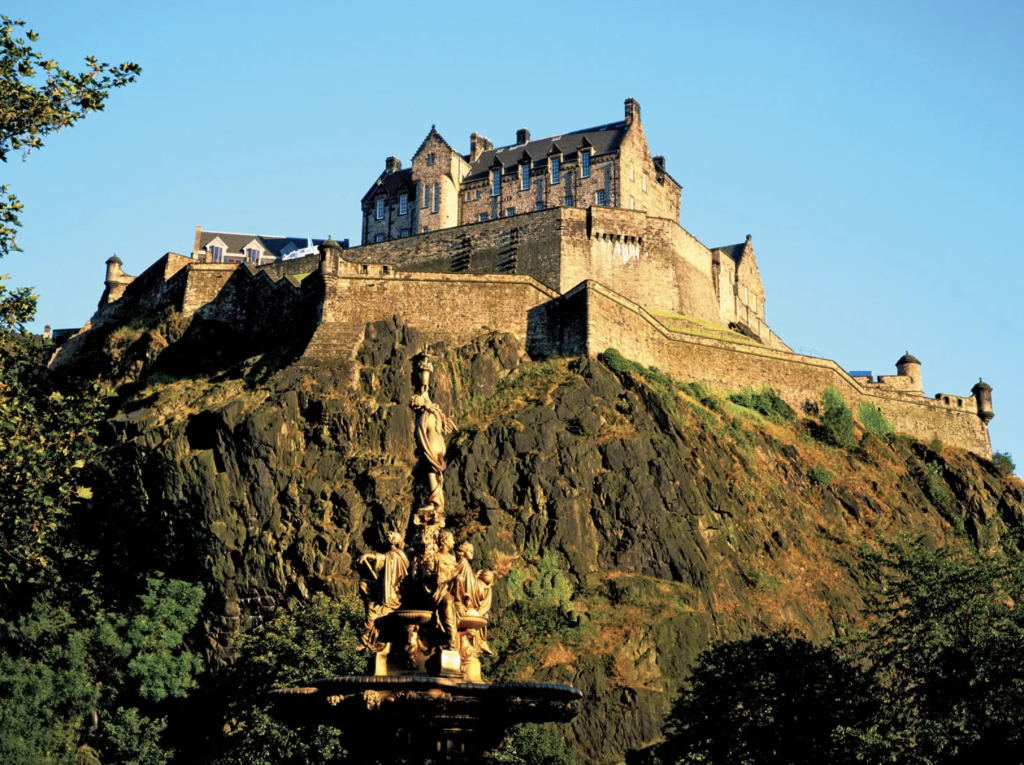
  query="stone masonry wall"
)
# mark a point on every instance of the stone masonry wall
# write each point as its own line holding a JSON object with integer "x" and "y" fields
{"x": 614, "y": 322}
{"x": 451, "y": 308}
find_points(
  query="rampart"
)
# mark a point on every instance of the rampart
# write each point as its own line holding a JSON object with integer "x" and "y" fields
{"x": 608, "y": 320}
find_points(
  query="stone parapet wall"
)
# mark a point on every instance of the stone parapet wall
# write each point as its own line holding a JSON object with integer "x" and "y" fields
{"x": 615, "y": 322}
{"x": 158, "y": 286}
{"x": 450, "y": 308}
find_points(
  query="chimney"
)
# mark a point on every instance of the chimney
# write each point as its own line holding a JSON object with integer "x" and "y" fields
{"x": 522, "y": 136}
{"x": 659, "y": 163}
{"x": 477, "y": 146}
{"x": 632, "y": 111}
{"x": 392, "y": 165}
{"x": 195, "y": 245}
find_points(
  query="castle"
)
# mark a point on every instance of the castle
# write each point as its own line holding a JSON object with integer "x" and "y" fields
{"x": 572, "y": 243}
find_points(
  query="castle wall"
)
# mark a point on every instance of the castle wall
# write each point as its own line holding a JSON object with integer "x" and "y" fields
{"x": 158, "y": 286}
{"x": 640, "y": 185}
{"x": 614, "y": 322}
{"x": 452, "y": 308}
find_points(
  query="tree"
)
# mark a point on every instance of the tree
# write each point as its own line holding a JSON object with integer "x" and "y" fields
{"x": 946, "y": 653}
{"x": 837, "y": 420}
{"x": 39, "y": 98}
{"x": 770, "y": 699}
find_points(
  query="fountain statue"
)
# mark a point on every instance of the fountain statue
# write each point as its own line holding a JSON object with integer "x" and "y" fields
{"x": 426, "y": 628}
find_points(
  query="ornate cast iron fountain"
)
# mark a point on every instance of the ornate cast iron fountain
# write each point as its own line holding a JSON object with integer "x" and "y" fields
{"x": 426, "y": 628}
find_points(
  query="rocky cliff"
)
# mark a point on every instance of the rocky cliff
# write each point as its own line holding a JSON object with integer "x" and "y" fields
{"x": 677, "y": 516}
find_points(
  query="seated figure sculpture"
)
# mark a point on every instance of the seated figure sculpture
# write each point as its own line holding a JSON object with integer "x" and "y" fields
{"x": 472, "y": 594}
{"x": 440, "y": 582}
{"x": 382, "y": 592}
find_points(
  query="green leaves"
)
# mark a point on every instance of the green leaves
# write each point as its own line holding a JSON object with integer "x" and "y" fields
{"x": 32, "y": 109}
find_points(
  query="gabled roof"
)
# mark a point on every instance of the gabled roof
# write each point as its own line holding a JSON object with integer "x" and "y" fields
{"x": 236, "y": 243}
{"x": 734, "y": 251}
{"x": 433, "y": 132}
{"x": 391, "y": 183}
{"x": 602, "y": 139}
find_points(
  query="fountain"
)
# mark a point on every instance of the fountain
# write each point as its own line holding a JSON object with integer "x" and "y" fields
{"x": 426, "y": 628}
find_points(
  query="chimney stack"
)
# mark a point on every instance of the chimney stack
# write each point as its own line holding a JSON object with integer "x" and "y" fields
{"x": 632, "y": 111}
{"x": 659, "y": 163}
{"x": 522, "y": 136}
{"x": 477, "y": 146}
{"x": 392, "y": 165}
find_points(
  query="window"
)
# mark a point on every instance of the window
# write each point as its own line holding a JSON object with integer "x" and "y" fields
{"x": 252, "y": 255}
{"x": 364, "y": 270}
{"x": 524, "y": 176}
{"x": 585, "y": 164}
{"x": 539, "y": 205}
{"x": 554, "y": 171}
{"x": 483, "y": 217}
{"x": 437, "y": 197}
{"x": 380, "y": 209}
{"x": 469, "y": 196}
{"x": 426, "y": 197}
{"x": 386, "y": 270}
{"x": 478, "y": 195}
{"x": 599, "y": 198}
{"x": 495, "y": 182}
{"x": 379, "y": 238}
{"x": 568, "y": 201}
{"x": 425, "y": 229}
{"x": 509, "y": 212}
{"x": 645, "y": 181}
{"x": 217, "y": 254}
{"x": 431, "y": 159}
{"x": 406, "y": 232}
{"x": 403, "y": 204}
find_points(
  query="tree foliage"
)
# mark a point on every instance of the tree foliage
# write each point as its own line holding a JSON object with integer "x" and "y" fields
{"x": 39, "y": 98}
{"x": 936, "y": 678}
{"x": 837, "y": 420}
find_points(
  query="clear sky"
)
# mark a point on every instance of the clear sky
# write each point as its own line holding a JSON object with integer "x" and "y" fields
{"x": 874, "y": 149}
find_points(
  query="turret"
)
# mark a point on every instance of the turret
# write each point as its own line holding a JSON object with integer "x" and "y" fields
{"x": 115, "y": 282}
{"x": 983, "y": 395}
{"x": 909, "y": 366}
{"x": 330, "y": 252}
{"x": 113, "y": 270}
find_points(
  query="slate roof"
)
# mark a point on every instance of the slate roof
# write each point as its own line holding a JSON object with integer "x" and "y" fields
{"x": 906, "y": 358}
{"x": 391, "y": 183}
{"x": 236, "y": 242}
{"x": 603, "y": 139}
{"x": 734, "y": 251}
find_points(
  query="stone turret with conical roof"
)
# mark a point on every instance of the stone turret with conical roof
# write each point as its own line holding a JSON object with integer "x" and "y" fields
{"x": 115, "y": 282}
{"x": 983, "y": 395}
{"x": 910, "y": 366}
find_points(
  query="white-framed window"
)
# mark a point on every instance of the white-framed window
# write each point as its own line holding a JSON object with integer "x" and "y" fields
{"x": 379, "y": 238}
{"x": 585, "y": 163}
{"x": 478, "y": 194}
{"x": 568, "y": 201}
{"x": 539, "y": 205}
{"x": 217, "y": 254}
{"x": 437, "y": 197}
{"x": 524, "y": 177}
{"x": 403, "y": 204}
{"x": 380, "y": 209}
{"x": 483, "y": 217}
{"x": 252, "y": 254}
{"x": 645, "y": 181}
{"x": 496, "y": 182}
{"x": 555, "y": 170}
{"x": 509, "y": 212}
{"x": 599, "y": 198}
{"x": 406, "y": 232}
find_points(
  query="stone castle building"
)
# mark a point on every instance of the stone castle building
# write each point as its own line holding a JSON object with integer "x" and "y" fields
{"x": 571, "y": 243}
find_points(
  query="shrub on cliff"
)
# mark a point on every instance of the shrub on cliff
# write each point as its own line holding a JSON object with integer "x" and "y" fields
{"x": 1003, "y": 463}
{"x": 837, "y": 420}
{"x": 874, "y": 422}
{"x": 766, "y": 402}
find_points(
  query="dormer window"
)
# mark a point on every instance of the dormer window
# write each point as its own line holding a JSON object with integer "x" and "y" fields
{"x": 555, "y": 168}
{"x": 585, "y": 163}
{"x": 403, "y": 204}
{"x": 217, "y": 254}
{"x": 380, "y": 209}
{"x": 524, "y": 175}
{"x": 496, "y": 182}
{"x": 252, "y": 255}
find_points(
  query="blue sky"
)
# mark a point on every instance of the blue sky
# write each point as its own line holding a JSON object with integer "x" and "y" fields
{"x": 874, "y": 150}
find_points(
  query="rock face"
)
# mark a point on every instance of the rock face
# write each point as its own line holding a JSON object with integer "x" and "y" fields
{"x": 678, "y": 522}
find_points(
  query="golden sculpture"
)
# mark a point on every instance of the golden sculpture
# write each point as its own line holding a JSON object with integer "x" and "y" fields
{"x": 382, "y": 593}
